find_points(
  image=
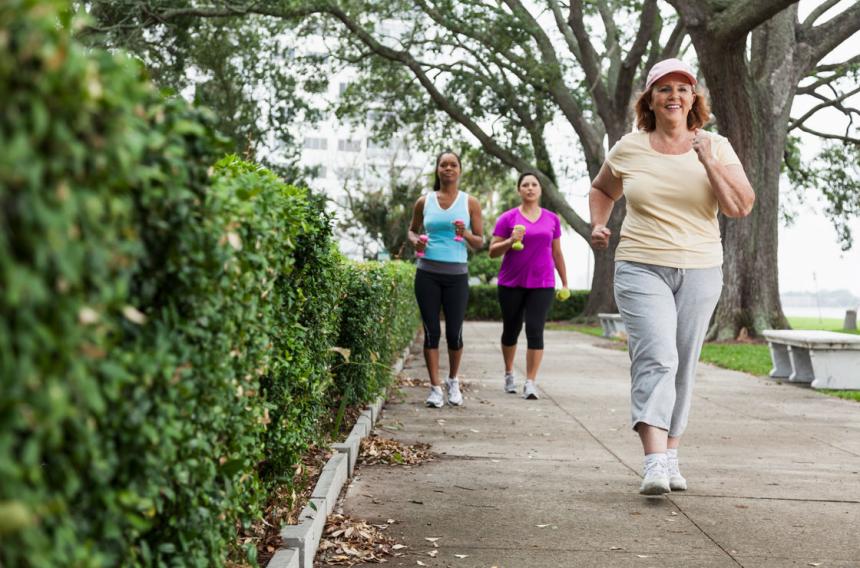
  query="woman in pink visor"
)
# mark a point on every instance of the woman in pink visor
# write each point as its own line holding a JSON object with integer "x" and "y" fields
{"x": 668, "y": 264}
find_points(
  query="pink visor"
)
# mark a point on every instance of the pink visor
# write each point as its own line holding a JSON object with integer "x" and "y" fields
{"x": 666, "y": 67}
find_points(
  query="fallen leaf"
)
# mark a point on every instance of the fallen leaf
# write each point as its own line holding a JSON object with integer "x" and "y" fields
{"x": 461, "y": 555}
{"x": 642, "y": 556}
{"x": 134, "y": 315}
{"x": 420, "y": 563}
{"x": 541, "y": 526}
{"x": 432, "y": 538}
{"x": 88, "y": 316}
{"x": 432, "y": 553}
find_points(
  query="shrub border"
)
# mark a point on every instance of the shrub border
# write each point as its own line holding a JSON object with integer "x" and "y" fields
{"x": 301, "y": 541}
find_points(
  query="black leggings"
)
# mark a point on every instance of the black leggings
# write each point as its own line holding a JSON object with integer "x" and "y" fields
{"x": 449, "y": 292}
{"x": 534, "y": 303}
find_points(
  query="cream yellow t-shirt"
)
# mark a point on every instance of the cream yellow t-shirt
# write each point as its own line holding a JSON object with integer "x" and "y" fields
{"x": 671, "y": 209}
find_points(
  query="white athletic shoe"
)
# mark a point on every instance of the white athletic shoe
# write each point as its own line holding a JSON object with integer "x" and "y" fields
{"x": 455, "y": 397}
{"x": 676, "y": 480}
{"x": 435, "y": 400}
{"x": 530, "y": 391}
{"x": 655, "y": 479}
{"x": 510, "y": 385}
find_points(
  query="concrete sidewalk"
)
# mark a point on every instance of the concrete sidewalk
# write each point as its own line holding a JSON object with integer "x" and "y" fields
{"x": 774, "y": 470}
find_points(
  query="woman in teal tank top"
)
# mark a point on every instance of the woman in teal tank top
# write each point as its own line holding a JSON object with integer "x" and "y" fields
{"x": 451, "y": 220}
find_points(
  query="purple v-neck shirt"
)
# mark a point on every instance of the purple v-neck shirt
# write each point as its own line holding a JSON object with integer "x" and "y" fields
{"x": 533, "y": 266}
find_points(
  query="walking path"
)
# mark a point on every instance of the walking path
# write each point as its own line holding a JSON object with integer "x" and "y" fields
{"x": 774, "y": 470}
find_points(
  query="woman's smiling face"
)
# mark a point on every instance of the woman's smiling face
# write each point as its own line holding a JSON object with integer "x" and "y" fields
{"x": 672, "y": 97}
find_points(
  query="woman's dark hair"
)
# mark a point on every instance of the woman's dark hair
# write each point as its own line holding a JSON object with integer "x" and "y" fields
{"x": 526, "y": 174}
{"x": 437, "y": 185}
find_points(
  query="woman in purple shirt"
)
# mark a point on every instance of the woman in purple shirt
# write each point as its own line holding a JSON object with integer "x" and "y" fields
{"x": 527, "y": 279}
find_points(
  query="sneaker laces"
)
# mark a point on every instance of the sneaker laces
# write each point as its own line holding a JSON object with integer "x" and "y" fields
{"x": 655, "y": 468}
{"x": 674, "y": 470}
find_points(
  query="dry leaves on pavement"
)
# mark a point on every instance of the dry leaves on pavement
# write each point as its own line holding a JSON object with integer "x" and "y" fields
{"x": 376, "y": 450}
{"x": 346, "y": 542}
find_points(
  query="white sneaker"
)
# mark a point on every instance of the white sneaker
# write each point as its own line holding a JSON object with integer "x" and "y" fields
{"x": 655, "y": 479}
{"x": 435, "y": 399}
{"x": 510, "y": 386}
{"x": 455, "y": 397}
{"x": 676, "y": 480}
{"x": 530, "y": 391}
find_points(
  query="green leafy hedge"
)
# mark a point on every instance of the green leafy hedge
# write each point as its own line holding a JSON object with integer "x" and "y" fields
{"x": 380, "y": 317}
{"x": 484, "y": 304}
{"x": 167, "y": 321}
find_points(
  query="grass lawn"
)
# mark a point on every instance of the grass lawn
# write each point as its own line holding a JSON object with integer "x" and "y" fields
{"x": 827, "y": 324}
{"x": 586, "y": 329}
{"x": 753, "y": 358}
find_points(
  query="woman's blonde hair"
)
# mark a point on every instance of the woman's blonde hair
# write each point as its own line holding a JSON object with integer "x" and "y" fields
{"x": 699, "y": 116}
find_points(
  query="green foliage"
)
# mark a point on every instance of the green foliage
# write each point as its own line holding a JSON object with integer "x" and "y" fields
{"x": 380, "y": 318}
{"x": 383, "y": 215}
{"x": 484, "y": 268}
{"x": 167, "y": 324}
{"x": 484, "y": 304}
{"x": 835, "y": 174}
{"x": 235, "y": 66}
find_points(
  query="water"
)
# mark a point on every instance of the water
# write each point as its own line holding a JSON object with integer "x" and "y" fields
{"x": 813, "y": 312}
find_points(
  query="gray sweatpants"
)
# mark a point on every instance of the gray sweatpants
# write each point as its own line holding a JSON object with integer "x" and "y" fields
{"x": 666, "y": 312}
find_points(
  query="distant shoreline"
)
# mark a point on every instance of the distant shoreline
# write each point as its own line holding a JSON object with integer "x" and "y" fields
{"x": 826, "y": 312}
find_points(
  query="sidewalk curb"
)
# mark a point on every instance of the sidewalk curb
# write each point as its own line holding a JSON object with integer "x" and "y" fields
{"x": 301, "y": 541}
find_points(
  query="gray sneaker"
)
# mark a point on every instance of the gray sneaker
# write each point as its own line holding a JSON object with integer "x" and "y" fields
{"x": 435, "y": 400}
{"x": 676, "y": 480}
{"x": 455, "y": 397}
{"x": 510, "y": 386}
{"x": 530, "y": 391}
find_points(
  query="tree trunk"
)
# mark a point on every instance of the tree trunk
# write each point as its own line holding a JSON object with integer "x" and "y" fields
{"x": 752, "y": 101}
{"x": 602, "y": 296}
{"x": 601, "y": 299}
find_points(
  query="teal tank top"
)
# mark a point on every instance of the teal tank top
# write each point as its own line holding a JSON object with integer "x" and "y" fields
{"x": 439, "y": 224}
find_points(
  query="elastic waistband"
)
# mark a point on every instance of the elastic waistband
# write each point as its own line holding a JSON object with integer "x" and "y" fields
{"x": 442, "y": 267}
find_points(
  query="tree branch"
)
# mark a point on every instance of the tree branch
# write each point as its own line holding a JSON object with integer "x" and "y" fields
{"x": 741, "y": 17}
{"x": 590, "y": 61}
{"x": 488, "y": 143}
{"x": 828, "y": 103}
{"x": 648, "y": 23}
{"x": 824, "y": 38}
{"x": 819, "y": 11}
{"x": 828, "y": 136}
{"x": 839, "y": 70}
{"x": 676, "y": 39}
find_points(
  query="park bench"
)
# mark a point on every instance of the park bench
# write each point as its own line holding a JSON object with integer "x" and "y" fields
{"x": 826, "y": 359}
{"x": 612, "y": 325}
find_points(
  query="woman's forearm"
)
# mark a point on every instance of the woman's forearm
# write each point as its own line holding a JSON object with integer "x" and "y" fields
{"x": 500, "y": 247}
{"x": 735, "y": 196}
{"x": 560, "y": 268}
{"x": 599, "y": 206}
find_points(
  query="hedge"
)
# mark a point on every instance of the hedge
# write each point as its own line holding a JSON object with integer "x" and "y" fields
{"x": 168, "y": 318}
{"x": 484, "y": 304}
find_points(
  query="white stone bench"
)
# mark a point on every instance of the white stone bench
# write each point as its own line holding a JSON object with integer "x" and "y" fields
{"x": 826, "y": 359}
{"x": 612, "y": 325}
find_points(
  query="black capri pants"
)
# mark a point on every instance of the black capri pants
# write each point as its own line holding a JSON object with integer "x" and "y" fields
{"x": 448, "y": 292}
{"x": 534, "y": 304}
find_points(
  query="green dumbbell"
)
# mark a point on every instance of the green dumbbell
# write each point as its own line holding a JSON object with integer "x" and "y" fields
{"x": 518, "y": 245}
